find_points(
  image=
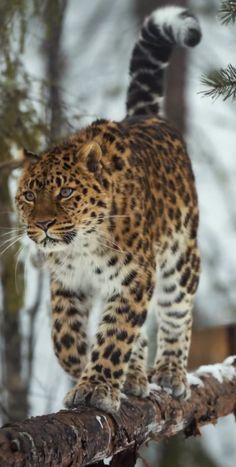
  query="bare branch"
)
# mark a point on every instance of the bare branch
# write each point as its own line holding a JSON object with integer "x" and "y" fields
{"x": 86, "y": 435}
{"x": 9, "y": 166}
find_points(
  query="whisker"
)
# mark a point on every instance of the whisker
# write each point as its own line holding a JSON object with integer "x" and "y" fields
{"x": 110, "y": 240}
{"x": 115, "y": 215}
{"x": 108, "y": 246}
{"x": 10, "y": 228}
{"x": 100, "y": 216}
{"x": 100, "y": 237}
{"x": 6, "y": 241}
{"x": 11, "y": 237}
{"x": 11, "y": 244}
{"x": 11, "y": 232}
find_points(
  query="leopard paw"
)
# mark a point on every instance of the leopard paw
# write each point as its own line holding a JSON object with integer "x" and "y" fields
{"x": 95, "y": 394}
{"x": 137, "y": 385}
{"x": 174, "y": 382}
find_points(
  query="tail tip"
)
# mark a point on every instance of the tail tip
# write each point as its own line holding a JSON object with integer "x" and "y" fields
{"x": 193, "y": 37}
{"x": 184, "y": 25}
{"x": 191, "y": 31}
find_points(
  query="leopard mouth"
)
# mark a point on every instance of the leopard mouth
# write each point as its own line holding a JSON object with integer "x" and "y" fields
{"x": 69, "y": 236}
{"x": 47, "y": 241}
{"x": 50, "y": 243}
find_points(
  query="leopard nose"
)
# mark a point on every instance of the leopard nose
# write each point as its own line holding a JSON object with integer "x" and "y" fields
{"x": 44, "y": 225}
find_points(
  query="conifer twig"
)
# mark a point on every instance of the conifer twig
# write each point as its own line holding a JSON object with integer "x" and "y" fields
{"x": 227, "y": 12}
{"x": 220, "y": 83}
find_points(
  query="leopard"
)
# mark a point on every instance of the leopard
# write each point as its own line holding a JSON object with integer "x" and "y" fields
{"x": 113, "y": 209}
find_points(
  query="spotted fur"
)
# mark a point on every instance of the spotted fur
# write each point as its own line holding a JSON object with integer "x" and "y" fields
{"x": 114, "y": 210}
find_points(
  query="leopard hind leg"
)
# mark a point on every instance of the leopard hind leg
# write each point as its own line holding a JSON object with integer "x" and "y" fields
{"x": 177, "y": 283}
{"x": 136, "y": 382}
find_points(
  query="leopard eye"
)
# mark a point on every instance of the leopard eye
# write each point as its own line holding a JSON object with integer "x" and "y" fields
{"x": 29, "y": 196}
{"x": 66, "y": 192}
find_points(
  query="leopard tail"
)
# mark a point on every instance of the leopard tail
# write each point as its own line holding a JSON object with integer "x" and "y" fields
{"x": 161, "y": 32}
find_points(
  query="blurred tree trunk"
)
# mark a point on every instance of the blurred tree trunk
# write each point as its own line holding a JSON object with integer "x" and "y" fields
{"x": 210, "y": 345}
{"x": 13, "y": 390}
{"x": 54, "y": 15}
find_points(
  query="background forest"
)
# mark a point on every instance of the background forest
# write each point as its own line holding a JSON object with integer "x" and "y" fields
{"x": 64, "y": 63}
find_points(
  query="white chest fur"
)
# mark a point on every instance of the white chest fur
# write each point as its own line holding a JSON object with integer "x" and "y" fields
{"x": 82, "y": 267}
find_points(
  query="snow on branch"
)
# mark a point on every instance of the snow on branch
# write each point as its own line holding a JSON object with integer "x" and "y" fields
{"x": 85, "y": 435}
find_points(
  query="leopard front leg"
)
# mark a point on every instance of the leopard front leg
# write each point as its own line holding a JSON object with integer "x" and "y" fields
{"x": 136, "y": 381}
{"x": 103, "y": 379}
{"x": 69, "y": 322}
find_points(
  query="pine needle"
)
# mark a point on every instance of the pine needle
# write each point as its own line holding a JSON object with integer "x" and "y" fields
{"x": 227, "y": 12}
{"x": 220, "y": 83}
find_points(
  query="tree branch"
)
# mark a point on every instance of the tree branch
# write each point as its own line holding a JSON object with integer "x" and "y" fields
{"x": 85, "y": 435}
{"x": 9, "y": 166}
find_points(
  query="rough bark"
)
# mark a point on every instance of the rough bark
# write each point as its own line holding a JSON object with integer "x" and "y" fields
{"x": 83, "y": 436}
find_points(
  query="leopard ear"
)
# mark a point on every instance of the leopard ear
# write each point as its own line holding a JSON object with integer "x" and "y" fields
{"x": 91, "y": 154}
{"x": 30, "y": 156}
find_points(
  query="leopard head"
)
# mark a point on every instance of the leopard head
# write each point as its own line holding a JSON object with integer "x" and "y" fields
{"x": 62, "y": 196}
